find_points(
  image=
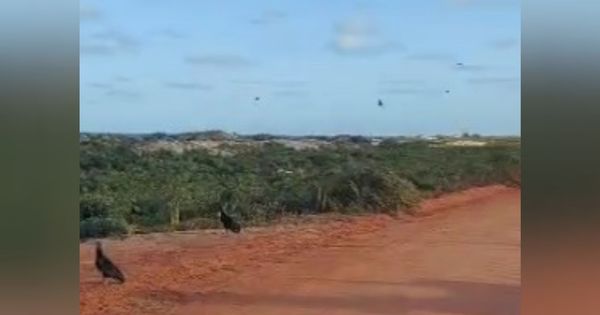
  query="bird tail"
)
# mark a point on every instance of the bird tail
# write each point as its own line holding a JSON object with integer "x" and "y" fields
{"x": 120, "y": 277}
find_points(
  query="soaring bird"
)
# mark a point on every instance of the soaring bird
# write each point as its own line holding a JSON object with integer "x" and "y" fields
{"x": 229, "y": 223}
{"x": 380, "y": 103}
{"x": 257, "y": 99}
{"x": 107, "y": 267}
{"x": 459, "y": 64}
{"x": 447, "y": 91}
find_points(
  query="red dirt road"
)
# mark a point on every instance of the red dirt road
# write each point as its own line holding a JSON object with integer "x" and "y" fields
{"x": 462, "y": 256}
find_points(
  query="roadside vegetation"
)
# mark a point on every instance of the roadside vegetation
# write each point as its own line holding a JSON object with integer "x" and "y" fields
{"x": 126, "y": 189}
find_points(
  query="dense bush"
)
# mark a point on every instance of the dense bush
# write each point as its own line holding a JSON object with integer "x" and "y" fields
{"x": 124, "y": 187}
{"x": 101, "y": 227}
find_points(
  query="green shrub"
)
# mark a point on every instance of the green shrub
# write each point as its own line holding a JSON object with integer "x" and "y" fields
{"x": 101, "y": 227}
{"x": 94, "y": 206}
{"x": 259, "y": 184}
{"x": 150, "y": 212}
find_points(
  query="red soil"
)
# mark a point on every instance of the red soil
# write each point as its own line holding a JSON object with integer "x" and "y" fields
{"x": 463, "y": 260}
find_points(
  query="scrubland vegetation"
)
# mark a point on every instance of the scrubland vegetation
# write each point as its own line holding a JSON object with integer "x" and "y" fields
{"x": 127, "y": 188}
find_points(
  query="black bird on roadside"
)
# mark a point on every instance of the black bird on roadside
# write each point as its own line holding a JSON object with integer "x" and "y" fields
{"x": 107, "y": 267}
{"x": 380, "y": 103}
{"x": 229, "y": 223}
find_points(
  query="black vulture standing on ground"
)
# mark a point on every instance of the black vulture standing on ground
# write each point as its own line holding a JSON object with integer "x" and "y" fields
{"x": 107, "y": 267}
{"x": 380, "y": 103}
{"x": 229, "y": 223}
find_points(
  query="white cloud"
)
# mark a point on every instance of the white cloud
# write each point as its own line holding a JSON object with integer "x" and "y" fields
{"x": 359, "y": 35}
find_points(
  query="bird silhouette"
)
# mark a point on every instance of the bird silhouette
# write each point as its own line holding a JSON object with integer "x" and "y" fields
{"x": 106, "y": 267}
{"x": 229, "y": 223}
{"x": 459, "y": 64}
{"x": 447, "y": 91}
{"x": 380, "y": 103}
{"x": 257, "y": 98}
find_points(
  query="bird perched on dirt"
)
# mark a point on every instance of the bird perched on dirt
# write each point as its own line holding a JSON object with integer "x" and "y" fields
{"x": 107, "y": 267}
{"x": 380, "y": 103}
{"x": 229, "y": 223}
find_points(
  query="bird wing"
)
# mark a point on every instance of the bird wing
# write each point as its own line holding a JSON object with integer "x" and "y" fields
{"x": 114, "y": 271}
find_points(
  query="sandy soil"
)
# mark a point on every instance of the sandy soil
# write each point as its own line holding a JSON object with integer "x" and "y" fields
{"x": 461, "y": 255}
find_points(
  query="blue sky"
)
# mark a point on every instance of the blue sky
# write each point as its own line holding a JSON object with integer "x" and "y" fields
{"x": 319, "y": 67}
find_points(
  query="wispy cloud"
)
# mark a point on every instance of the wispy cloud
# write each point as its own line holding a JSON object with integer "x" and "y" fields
{"x": 115, "y": 91}
{"x": 269, "y": 17}
{"x": 442, "y": 57}
{"x": 401, "y": 82}
{"x": 278, "y": 87}
{"x": 402, "y": 91}
{"x": 100, "y": 85}
{"x": 272, "y": 83}
{"x": 249, "y": 82}
{"x": 290, "y": 83}
{"x": 461, "y": 3}
{"x": 504, "y": 44}
{"x": 89, "y": 13}
{"x": 291, "y": 93}
{"x": 118, "y": 38}
{"x": 124, "y": 94}
{"x": 121, "y": 78}
{"x": 494, "y": 80}
{"x": 482, "y": 3}
{"x": 411, "y": 89}
{"x": 358, "y": 36}
{"x": 470, "y": 68}
{"x": 110, "y": 43}
{"x": 170, "y": 33}
{"x": 219, "y": 60}
{"x": 188, "y": 86}
{"x": 96, "y": 49}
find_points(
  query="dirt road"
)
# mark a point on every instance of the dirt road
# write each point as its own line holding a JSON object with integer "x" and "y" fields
{"x": 461, "y": 258}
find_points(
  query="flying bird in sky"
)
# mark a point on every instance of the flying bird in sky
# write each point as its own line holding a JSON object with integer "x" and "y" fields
{"x": 380, "y": 103}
